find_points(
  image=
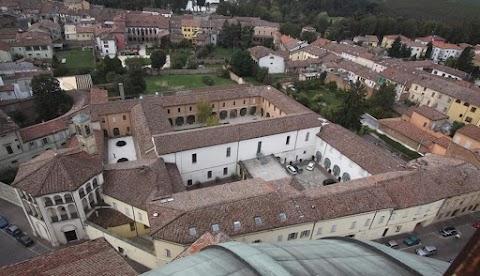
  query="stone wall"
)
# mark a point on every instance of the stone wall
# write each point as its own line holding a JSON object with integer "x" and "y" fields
{"x": 8, "y": 193}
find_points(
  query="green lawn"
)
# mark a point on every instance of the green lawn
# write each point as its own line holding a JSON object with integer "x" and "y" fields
{"x": 220, "y": 52}
{"x": 163, "y": 83}
{"x": 76, "y": 59}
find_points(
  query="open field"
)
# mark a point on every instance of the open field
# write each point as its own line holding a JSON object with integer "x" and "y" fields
{"x": 163, "y": 83}
{"x": 76, "y": 59}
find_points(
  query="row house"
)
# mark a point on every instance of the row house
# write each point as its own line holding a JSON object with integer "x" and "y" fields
{"x": 33, "y": 45}
{"x": 441, "y": 51}
{"x": 79, "y": 33}
{"x": 47, "y": 27}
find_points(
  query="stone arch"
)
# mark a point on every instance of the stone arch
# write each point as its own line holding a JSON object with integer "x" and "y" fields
{"x": 91, "y": 198}
{"x": 268, "y": 115}
{"x": 233, "y": 113}
{"x": 223, "y": 115}
{"x": 52, "y": 214}
{"x": 62, "y": 212}
{"x": 243, "y": 112}
{"x": 190, "y": 119}
{"x": 47, "y": 201}
{"x": 95, "y": 182}
{"x": 116, "y": 132}
{"x": 327, "y": 163}
{"x": 336, "y": 170}
{"x": 253, "y": 110}
{"x": 261, "y": 111}
{"x": 170, "y": 121}
{"x": 179, "y": 121}
{"x": 98, "y": 194}
{"x": 81, "y": 192}
{"x": 68, "y": 198}
{"x": 346, "y": 177}
{"x": 319, "y": 156}
{"x": 72, "y": 210}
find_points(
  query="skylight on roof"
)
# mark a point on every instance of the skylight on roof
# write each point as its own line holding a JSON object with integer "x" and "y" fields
{"x": 236, "y": 224}
{"x": 282, "y": 216}
{"x": 192, "y": 231}
{"x": 258, "y": 220}
{"x": 215, "y": 227}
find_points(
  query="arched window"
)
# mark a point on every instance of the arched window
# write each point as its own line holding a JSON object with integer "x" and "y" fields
{"x": 179, "y": 121}
{"x": 253, "y": 110}
{"x": 319, "y": 156}
{"x": 346, "y": 177}
{"x": 191, "y": 119}
{"x": 243, "y": 112}
{"x": 87, "y": 130}
{"x": 223, "y": 115}
{"x": 327, "y": 163}
{"x": 233, "y": 113}
{"x": 336, "y": 170}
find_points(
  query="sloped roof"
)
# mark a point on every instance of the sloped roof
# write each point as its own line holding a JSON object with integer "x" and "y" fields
{"x": 408, "y": 130}
{"x": 6, "y": 123}
{"x": 260, "y": 51}
{"x": 56, "y": 171}
{"x": 108, "y": 217}
{"x": 471, "y": 131}
{"x": 95, "y": 257}
{"x": 430, "y": 113}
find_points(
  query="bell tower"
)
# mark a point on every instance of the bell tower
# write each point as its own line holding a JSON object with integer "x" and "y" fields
{"x": 85, "y": 135}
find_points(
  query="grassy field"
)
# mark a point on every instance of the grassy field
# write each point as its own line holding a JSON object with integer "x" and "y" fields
{"x": 220, "y": 52}
{"x": 76, "y": 59}
{"x": 165, "y": 83}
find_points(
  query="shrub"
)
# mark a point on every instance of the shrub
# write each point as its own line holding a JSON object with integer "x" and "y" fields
{"x": 207, "y": 80}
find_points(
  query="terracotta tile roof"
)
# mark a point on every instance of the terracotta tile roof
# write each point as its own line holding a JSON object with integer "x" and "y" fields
{"x": 402, "y": 37}
{"x": 339, "y": 48}
{"x": 363, "y": 153}
{"x": 398, "y": 76}
{"x": 449, "y": 70}
{"x": 444, "y": 45}
{"x": 135, "y": 19}
{"x": 243, "y": 201}
{"x": 7, "y": 88}
{"x": 6, "y": 123}
{"x": 95, "y": 257}
{"x": 259, "y": 51}
{"x": 98, "y": 96}
{"x": 471, "y": 131}
{"x": 33, "y": 39}
{"x": 204, "y": 241}
{"x": 430, "y": 113}
{"x": 443, "y": 142}
{"x": 8, "y": 33}
{"x": 108, "y": 217}
{"x": 46, "y": 23}
{"x": 58, "y": 124}
{"x": 190, "y": 23}
{"x": 408, "y": 130}
{"x": 321, "y": 42}
{"x": 57, "y": 171}
{"x": 150, "y": 176}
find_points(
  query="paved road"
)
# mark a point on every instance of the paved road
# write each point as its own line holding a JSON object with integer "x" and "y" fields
{"x": 12, "y": 251}
{"x": 449, "y": 247}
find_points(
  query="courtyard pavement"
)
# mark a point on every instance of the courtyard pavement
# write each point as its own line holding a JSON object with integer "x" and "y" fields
{"x": 117, "y": 152}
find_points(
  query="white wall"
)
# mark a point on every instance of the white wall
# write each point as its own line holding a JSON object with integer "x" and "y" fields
{"x": 337, "y": 158}
{"x": 274, "y": 63}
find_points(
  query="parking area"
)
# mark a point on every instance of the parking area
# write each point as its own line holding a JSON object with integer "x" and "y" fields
{"x": 447, "y": 247}
{"x": 11, "y": 251}
{"x": 312, "y": 179}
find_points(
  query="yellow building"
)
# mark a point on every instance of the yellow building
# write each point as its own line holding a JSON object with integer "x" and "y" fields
{"x": 76, "y": 5}
{"x": 464, "y": 112}
{"x": 189, "y": 28}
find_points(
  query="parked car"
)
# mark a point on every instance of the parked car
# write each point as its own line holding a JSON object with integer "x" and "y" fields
{"x": 329, "y": 181}
{"x": 448, "y": 231}
{"x": 476, "y": 224}
{"x": 298, "y": 169}
{"x": 3, "y": 222}
{"x": 426, "y": 251}
{"x": 310, "y": 166}
{"x": 13, "y": 230}
{"x": 291, "y": 169}
{"x": 24, "y": 239}
{"x": 391, "y": 244}
{"x": 411, "y": 240}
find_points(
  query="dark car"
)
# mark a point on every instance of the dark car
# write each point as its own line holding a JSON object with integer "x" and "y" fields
{"x": 13, "y": 230}
{"x": 411, "y": 240}
{"x": 24, "y": 239}
{"x": 298, "y": 169}
{"x": 448, "y": 231}
{"x": 329, "y": 181}
{"x": 3, "y": 222}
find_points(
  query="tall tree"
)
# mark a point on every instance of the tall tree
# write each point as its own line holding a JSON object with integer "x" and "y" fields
{"x": 395, "y": 49}
{"x": 348, "y": 115}
{"x": 242, "y": 64}
{"x": 465, "y": 60}
{"x": 204, "y": 110}
{"x": 308, "y": 37}
{"x": 50, "y": 100}
{"x": 384, "y": 97}
{"x": 405, "y": 51}
{"x": 158, "y": 58}
{"x": 134, "y": 81}
{"x": 428, "y": 53}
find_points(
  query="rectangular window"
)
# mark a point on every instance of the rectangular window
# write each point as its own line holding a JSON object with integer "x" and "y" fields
{"x": 354, "y": 224}
{"x": 124, "y": 117}
{"x": 288, "y": 140}
{"x": 258, "y": 220}
{"x": 179, "y": 110}
{"x": 333, "y": 229}
{"x": 168, "y": 111}
{"x": 233, "y": 103}
{"x": 189, "y": 182}
{"x": 45, "y": 140}
{"x": 229, "y": 151}
{"x": 190, "y": 108}
{"x": 292, "y": 236}
{"x": 307, "y": 136}
{"x": 9, "y": 149}
{"x": 194, "y": 158}
{"x": 367, "y": 222}
{"x": 167, "y": 253}
{"x": 473, "y": 109}
{"x": 32, "y": 144}
{"x": 305, "y": 234}
{"x": 215, "y": 227}
{"x": 236, "y": 224}
{"x": 103, "y": 120}
{"x": 213, "y": 105}
{"x": 209, "y": 174}
{"x": 319, "y": 231}
{"x": 398, "y": 228}
{"x": 225, "y": 171}
{"x": 223, "y": 104}
{"x": 259, "y": 147}
{"x": 114, "y": 119}
{"x": 120, "y": 250}
{"x": 244, "y": 101}
{"x": 382, "y": 218}
{"x": 132, "y": 226}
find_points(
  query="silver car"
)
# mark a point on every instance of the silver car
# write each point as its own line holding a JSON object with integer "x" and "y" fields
{"x": 427, "y": 251}
{"x": 291, "y": 169}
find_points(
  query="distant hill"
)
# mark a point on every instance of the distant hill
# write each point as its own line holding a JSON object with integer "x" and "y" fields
{"x": 442, "y": 10}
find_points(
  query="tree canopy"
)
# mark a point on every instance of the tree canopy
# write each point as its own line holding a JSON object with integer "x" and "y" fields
{"x": 465, "y": 60}
{"x": 134, "y": 81}
{"x": 349, "y": 114}
{"x": 234, "y": 35}
{"x": 50, "y": 100}
{"x": 158, "y": 58}
{"x": 242, "y": 64}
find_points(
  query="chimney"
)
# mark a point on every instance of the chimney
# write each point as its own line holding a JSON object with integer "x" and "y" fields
{"x": 122, "y": 91}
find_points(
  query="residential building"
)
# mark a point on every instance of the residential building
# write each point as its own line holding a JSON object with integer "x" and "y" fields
{"x": 189, "y": 28}
{"x": 388, "y": 40}
{"x": 47, "y": 27}
{"x": 287, "y": 43}
{"x": 5, "y": 55}
{"x": 267, "y": 58}
{"x": 431, "y": 38}
{"x": 76, "y": 5}
{"x": 445, "y": 71}
{"x": 107, "y": 43}
{"x": 468, "y": 137}
{"x": 142, "y": 27}
{"x": 264, "y": 30}
{"x": 441, "y": 51}
{"x": 79, "y": 33}
{"x": 367, "y": 41}
{"x": 33, "y": 45}
{"x": 417, "y": 49}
